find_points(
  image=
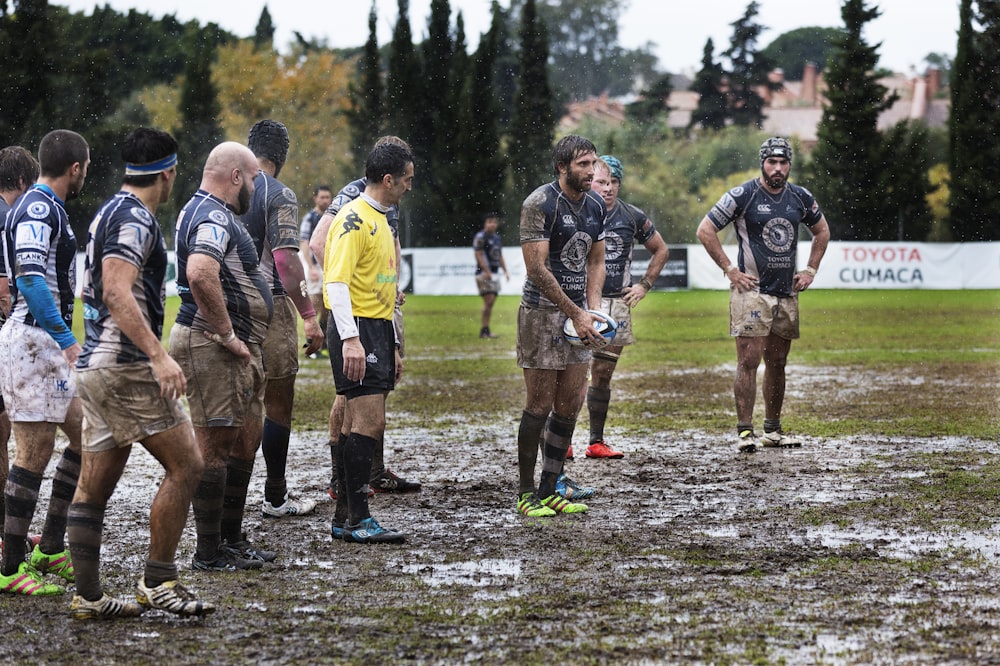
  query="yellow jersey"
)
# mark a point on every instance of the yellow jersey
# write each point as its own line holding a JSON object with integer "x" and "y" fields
{"x": 361, "y": 253}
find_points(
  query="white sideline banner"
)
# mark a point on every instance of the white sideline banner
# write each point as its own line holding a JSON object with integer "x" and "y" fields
{"x": 449, "y": 271}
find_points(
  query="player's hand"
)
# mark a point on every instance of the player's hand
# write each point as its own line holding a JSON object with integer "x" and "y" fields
{"x": 169, "y": 376}
{"x": 354, "y": 359}
{"x": 233, "y": 345}
{"x": 314, "y": 335}
{"x": 399, "y": 366}
{"x": 583, "y": 322}
{"x": 400, "y": 298}
{"x": 801, "y": 281}
{"x": 742, "y": 281}
{"x": 72, "y": 353}
{"x": 633, "y": 294}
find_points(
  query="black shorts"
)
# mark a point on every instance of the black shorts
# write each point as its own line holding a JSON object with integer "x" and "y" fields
{"x": 379, "y": 340}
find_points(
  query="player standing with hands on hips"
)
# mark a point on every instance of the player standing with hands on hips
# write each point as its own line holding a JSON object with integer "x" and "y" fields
{"x": 763, "y": 296}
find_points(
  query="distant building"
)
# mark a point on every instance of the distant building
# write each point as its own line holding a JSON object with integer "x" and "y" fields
{"x": 795, "y": 109}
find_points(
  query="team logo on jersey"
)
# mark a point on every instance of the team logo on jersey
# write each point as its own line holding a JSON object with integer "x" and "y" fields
{"x": 352, "y": 191}
{"x": 727, "y": 204}
{"x": 218, "y": 217}
{"x": 141, "y": 214}
{"x": 289, "y": 195}
{"x": 764, "y": 208}
{"x": 213, "y": 236}
{"x": 737, "y": 191}
{"x": 778, "y": 235}
{"x": 574, "y": 252}
{"x": 352, "y": 222}
{"x": 569, "y": 221}
{"x": 38, "y": 210}
{"x": 614, "y": 246}
{"x": 32, "y": 236}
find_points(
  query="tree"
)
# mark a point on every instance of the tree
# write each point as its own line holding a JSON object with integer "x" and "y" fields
{"x": 792, "y": 50}
{"x": 713, "y": 107}
{"x": 199, "y": 130}
{"x": 652, "y": 103}
{"x": 507, "y": 63}
{"x": 850, "y": 158}
{"x": 907, "y": 184}
{"x": 27, "y": 72}
{"x": 480, "y": 134}
{"x": 974, "y": 158}
{"x": 263, "y": 37}
{"x": 749, "y": 70}
{"x": 367, "y": 100}
{"x": 403, "y": 80}
{"x": 532, "y": 125}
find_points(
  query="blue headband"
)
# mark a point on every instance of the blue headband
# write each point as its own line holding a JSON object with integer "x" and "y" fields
{"x": 151, "y": 168}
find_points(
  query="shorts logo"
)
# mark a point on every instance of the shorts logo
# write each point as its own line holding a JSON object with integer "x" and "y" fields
{"x": 371, "y": 359}
{"x": 38, "y": 210}
{"x": 755, "y": 315}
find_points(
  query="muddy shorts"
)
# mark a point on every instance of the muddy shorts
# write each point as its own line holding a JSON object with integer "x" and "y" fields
{"x": 38, "y": 384}
{"x": 122, "y": 405}
{"x": 756, "y": 315}
{"x": 487, "y": 285}
{"x": 222, "y": 390}
{"x": 379, "y": 340}
{"x": 540, "y": 341}
{"x": 622, "y": 314}
{"x": 281, "y": 346}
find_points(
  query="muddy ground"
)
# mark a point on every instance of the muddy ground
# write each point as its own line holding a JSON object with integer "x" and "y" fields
{"x": 857, "y": 550}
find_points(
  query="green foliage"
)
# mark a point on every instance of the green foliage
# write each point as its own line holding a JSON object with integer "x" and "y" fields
{"x": 852, "y": 162}
{"x": 713, "y": 108}
{"x": 263, "y": 37}
{"x": 908, "y": 185}
{"x": 793, "y": 49}
{"x": 367, "y": 97}
{"x": 652, "y": 102}
{"x": 975, "y": 157}
{"x": 531, "y": 127}
{"x": 749, "y": 69}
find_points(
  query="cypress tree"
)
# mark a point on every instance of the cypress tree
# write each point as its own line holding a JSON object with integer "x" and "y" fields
{"x": 367, "y": 99}
{"x": 531, "y": 130}
{"x": 850, "y": 159}
{"x": 749, "y": 70}
{"x": 263, "y": 38}
{"x": 712, "y": 110}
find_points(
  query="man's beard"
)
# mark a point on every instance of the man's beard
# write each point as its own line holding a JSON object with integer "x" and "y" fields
{"x": 243, "y": 199}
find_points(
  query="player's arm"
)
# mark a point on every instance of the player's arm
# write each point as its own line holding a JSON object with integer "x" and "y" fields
{"x": 206, "y": 289}
{"x": 658, "y": 253}
{"x": 317, "y": 242}
{"x": 596, "y": 272}
{"x": 484, "y": 265}
{"x": 118, "y": 276}
{"x": 5, "y": 304}
{"x": 820, "y": 241}
{"x": 286, "y": 262}
{"x": 42, "y": 305}
{"x": 709, "y": 237}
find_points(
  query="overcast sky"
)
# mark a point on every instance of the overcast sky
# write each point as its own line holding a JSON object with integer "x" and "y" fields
{"x": 908, "y": 29}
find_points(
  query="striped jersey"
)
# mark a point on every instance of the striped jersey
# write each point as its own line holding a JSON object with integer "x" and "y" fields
{"x": 206, "y": 225}
{"x": 571, "y": 228}
{"x": 122, "y": 229}
{"x": 38, "y": 240}
{"x": 273, "y": 224}
{"x": 625, "y": 226}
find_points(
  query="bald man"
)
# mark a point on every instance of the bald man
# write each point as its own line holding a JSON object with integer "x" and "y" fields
{"x": 225, "y": 312}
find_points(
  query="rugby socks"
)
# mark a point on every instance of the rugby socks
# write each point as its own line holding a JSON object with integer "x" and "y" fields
{"x": 334, "y": 445}
{"x": 558, "y": 436}
{"x": 238, "y": 473}
{"x": 772, "y": 425}
{"x": 598, "y": 400}
{"x": 529, "y": 435}
{"x": 339, "y": 480}
{"x": 743, "y": 427}
{"x": 21, "y": 496}
{"x": 63, "y": 486}
{"x": 358, "y": 452}
{"x": 274, "y": 447}
{"x": 378, "y": 458}
{"x": 158, "y": 573}
{"x": 207, "y": 508}
{"x": 84, "y": 527}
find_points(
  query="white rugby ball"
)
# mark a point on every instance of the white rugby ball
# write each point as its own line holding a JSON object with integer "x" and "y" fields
{"x": 605, "y": 326}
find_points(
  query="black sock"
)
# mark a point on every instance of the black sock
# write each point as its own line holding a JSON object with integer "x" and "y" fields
{"x": 84, "y": 528}
{"x": 206, "y": 505}
{"x": 558, "y": 435}
{"x": 63, "y": 486}
{"x": 238, "y": 473}
{"x": 274, "y": 447}
{"x": 358, "y": 451}
{"x": 21, "y": 496}
{"x": 158, "y": 573}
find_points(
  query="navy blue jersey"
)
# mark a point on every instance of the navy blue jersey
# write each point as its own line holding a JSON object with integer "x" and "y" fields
{"x": 273, "y": 224}
{"x": 571, "y": 228}
{"x": 206, "y": 225}
{"x": 352, "y": 191}
{"x": 767, "y": 230}
{"x": 491, "y": 246}
{"x": 625, "y": 226}
{"x": 122, "y": 229}
{"x": 38, "y": 240}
